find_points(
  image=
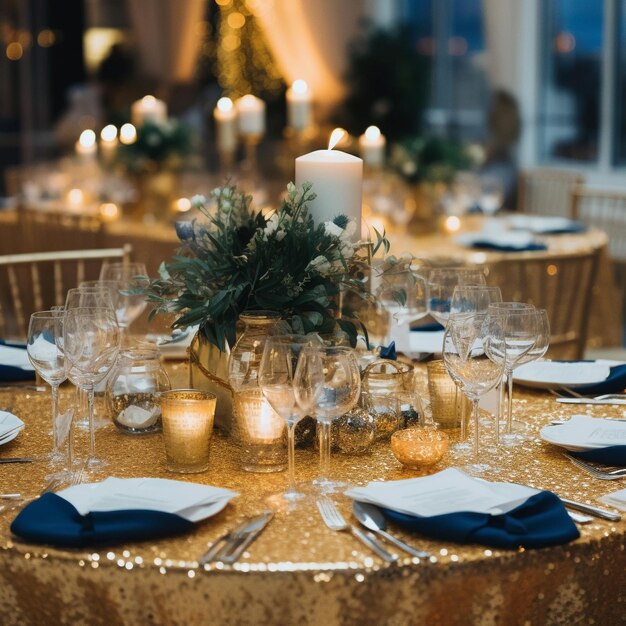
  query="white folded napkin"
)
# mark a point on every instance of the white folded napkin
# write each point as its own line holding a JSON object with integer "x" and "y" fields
{"x": 448, "y": 491}
{"x": 616, "y": 499}
{"x": 192, "y": 501}
{"x": 548, "y": 373}
{"x": 15, "y": 357}
{"x": 426, "y": 341}
{"x": 10, "y": 425}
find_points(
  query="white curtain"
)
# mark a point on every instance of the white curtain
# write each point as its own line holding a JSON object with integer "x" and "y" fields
{"x": 166, "y": 37}
{"x": 308, "y": 39}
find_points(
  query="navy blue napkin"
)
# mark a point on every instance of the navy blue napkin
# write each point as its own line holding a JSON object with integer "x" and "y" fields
{"x": 539, "y": 522}
{"x": 8, "y": 373}
{"x": 53, "y": 520}
{"x": 427, "y": 328}
{"x": 567, "y": 229}
{"x": 389, "y": 352}
{"x": 490, "y": 245}
{"x": 615, "y": 382}
{"x": 611, "y": 455}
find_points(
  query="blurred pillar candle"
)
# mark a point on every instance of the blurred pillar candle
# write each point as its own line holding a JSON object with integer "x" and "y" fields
{"x": 337, "y": 179}
{"x": 86, "y": 145}
{"x": 372, "y": 147}
{"x": 251, "y": 114}
{"x": 225, "y": 116}
{"x": 148, "y": 109}
{"x": 187, "y": 428}
{"x": 108, "y": 143}
{"x": 299, "y": 103}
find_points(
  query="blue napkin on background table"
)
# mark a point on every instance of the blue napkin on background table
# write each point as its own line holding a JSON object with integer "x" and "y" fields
{"x": 611, "y": 455}
{"x": 427, "y": 328}
{"x": 389, "y": 352}
{"x": 53, "y": 520}
{"x": 615, "y": 383}
{"x": 491, "y": 245}
{"x": 539, "y": 522}
{"x": 9, "y": 373}
{"x": 567, "y": 229}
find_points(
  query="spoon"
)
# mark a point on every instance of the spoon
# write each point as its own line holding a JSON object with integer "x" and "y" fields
{"x": 177, "y": 335}
{"x": 374, "y": 520}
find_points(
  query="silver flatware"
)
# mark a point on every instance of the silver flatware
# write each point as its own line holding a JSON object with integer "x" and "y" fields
{"x": 591, "y": 510}
{"x": 239, "y": 546}
{"x": 614, "y": 474}
{"x": 177, "y": 335}
{"x": 24, "y": 387}
{"x": 605, "y": 401}
{"x": 10, "y": 496}
{"x": 16, "y": 459}
{"x": 228, "y": 541}
{"x": 374, "y": 520}
{"x": 335, "y": 521}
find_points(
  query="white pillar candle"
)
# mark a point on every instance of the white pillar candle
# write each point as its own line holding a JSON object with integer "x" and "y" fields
{"x": 337, "y": 179}
{"x": 108, "y": 142}
{"x": 148, "y": 109}
{"x": 251, "y": 112}
{"x": 372, "y": 147}
{"x": 225, "y": 116}
{"x": 86, "y": 144}
{"x": 299, "y": 102}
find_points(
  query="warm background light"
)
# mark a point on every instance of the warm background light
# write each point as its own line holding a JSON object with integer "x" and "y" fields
{"x": 372, "y": 133}
{"x": 300, "y": 86}
{"x": 225, "y": 104}
{"x": 87, "y": 138}
{"x": 109, "y": 212}
{"x": 128, "y": 134}
{"x": 108, "y": 133}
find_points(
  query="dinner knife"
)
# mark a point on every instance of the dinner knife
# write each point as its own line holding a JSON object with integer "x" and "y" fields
{"x": 591, "y": 510}
{"x": 590, "y": 401}
{"x": 255, "y": 528}
{"x": 17, "y": 460}
{"x": 225, "y": 543}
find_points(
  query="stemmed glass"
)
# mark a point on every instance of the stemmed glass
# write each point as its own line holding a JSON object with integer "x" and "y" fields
{"x": 441, "y": 285}
{"x": 91, "y": 341}
{"x": 403, "y": 294}
{"x": 468, "y": 362}
{"x": 277, "y": 375}
{"x": 474, "y": 298}
{"x": 45, "y": 352}
{"x": 331, "y": 376}
{"x": 519, "y": 323}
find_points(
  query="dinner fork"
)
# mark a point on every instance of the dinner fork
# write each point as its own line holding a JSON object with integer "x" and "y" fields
{"x": 335, "y": 521}
{"x": 615, "y": 474}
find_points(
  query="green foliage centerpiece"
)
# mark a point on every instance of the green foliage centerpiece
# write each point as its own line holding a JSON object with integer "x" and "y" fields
{"x": 237, "y": 260}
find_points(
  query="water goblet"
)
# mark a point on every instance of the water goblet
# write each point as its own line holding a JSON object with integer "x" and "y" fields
{"x": 91, "y": 341}
{"x": 328, "y": 378}
{"x": 277, "y": 375}
{"x": 441, "y": 285}
{"x": 474, "y": 298}
{"x": 45, "y": 351}
{"x": 519, "y": 323}
{"x": 470, "y": 365}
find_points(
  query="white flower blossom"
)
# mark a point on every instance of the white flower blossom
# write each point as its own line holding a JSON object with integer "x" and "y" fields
{"x": 198, "y": 201}
{"x": 320, "y": 264}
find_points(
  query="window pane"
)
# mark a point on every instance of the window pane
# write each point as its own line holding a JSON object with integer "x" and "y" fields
{"x": 570, "y": 106}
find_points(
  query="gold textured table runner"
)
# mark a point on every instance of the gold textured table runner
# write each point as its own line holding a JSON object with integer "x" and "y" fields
{"x": 298, "y": 571}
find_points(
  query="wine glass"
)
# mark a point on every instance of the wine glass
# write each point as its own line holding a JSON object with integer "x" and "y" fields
{"x": 45, "y": 351}
{"x": 123, "y": 279}
{"x": 91, "y": 341}
{"x": 474, "y": 298}
{"x": 519, "y": 323}
{"x": 328, "y": 377}
{"x": 442, "y": 283}
{"x": 470, "y": 365}
{"x": 277, "y": 373}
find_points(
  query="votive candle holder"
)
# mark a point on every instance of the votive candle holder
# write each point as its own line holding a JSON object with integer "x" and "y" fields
{"x": 187, "y": 416}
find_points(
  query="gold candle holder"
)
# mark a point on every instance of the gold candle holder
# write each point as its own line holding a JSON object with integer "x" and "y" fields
{"x": 187, "y": 417}
{"x": 419, "y": 447}
{"x": 446, "y": 405}
{"x": 260, "y": 432}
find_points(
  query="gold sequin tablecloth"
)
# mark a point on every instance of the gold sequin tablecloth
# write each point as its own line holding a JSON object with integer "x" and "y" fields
{"x": 299, "y": 572}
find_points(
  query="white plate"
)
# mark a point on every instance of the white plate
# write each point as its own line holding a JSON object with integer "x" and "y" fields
{"x": 582, "y": 433}
{"x": 9, "y": 422}
{"x": 547, "y": 374}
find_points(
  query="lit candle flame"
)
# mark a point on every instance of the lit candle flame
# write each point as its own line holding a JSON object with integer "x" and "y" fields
{"x": 183, "y": 205}
{"x": 149, "y": 101}
{"x": 225, "y": 104}
{"x": 75, "y": 196}
{"x": 300, "y": 86}
{"x": 87, "y": 138}
{"x": 109, "y": 211}
{"x": 128, "y": 134}
{"x": 453, "y": 223}
{"x": 108, "y": 133}
{"x": 372, "y": 133}
{"x": 335, "y": 137}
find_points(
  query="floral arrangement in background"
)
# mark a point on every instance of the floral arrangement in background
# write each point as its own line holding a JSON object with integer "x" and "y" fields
{"x": 159, "y": 146}
{"x": 240, "y": 259}
{"x": 433, "y": 159}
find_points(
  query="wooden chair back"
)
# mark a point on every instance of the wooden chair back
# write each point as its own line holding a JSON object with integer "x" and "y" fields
{"x": 547, "y": 191}
{"x": 36, "y": 281}
{"x": 561, "y": 284}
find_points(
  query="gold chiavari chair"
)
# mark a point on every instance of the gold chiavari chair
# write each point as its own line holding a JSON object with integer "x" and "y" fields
{"x": 36, "y": 281}
{"x": 547, "y": 191}
{"x": 561, "y": 284}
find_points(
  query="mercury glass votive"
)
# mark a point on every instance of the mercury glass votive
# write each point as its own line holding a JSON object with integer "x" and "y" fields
{"x": 419, "y": 447}
{"x": 447, "y": 406}
{"x": 187, "y": 417}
